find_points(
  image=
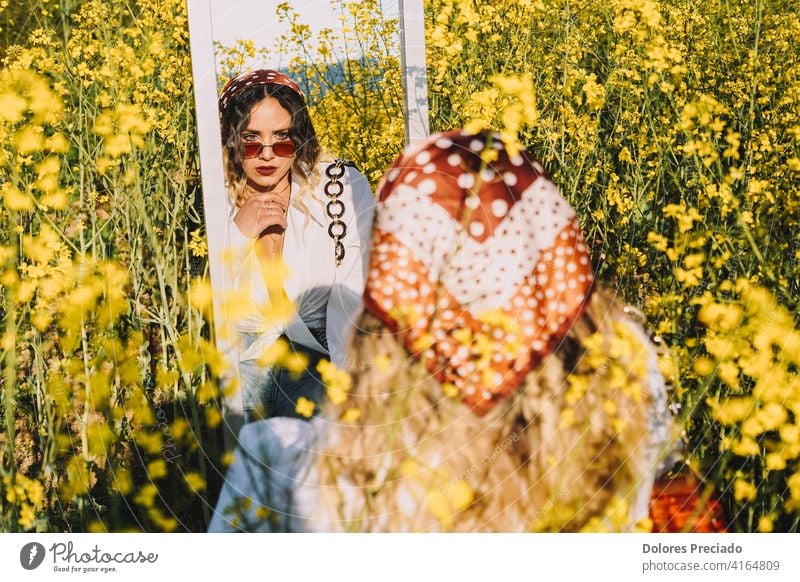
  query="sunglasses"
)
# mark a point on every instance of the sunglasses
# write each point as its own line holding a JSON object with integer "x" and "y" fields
{"x": 283, "y": 149}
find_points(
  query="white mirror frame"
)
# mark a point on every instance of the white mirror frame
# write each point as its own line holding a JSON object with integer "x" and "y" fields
{"x": 415, "y": 76}
{"x": 201, "y": 33}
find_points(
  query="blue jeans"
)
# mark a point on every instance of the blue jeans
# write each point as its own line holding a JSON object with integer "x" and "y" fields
{"x": 274, "y": 391}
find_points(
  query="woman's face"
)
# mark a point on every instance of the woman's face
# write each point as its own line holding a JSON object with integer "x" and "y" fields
{"x": 269, "y": 123}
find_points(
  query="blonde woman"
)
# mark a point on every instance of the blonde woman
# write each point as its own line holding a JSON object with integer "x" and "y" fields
{"x": 493, "y": 388}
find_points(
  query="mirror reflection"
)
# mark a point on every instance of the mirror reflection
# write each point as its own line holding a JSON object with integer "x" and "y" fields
{"x": 310, "y": 116}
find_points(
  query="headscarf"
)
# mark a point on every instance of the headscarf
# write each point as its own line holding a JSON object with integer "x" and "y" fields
{"x": 477, "y": 264}
{"x": 254, "y": 78}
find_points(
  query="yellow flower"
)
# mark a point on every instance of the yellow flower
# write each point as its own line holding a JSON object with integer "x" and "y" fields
{"x": 462, "y": 335}
{"x": 790, "y": 433}
{"x": 157, "y": 469}
{"x": 406, "y": 315}
{"x": 151, "y": 442}
{"x": 732, "y": 410}
{"x": 41, "y": 319}
{"x": 200, "y": 295}
{"x": 80, "y": 478}
{"x": 766, "y": 524}
{"x": 198, "y": 244}
{"x": 751, "y": 427}
{"x": 166, "y": 524}
{"x": 55, "y": 198}
{"x": 595, "y": 93}
{"x": 194, "y": 481}
{"x": 274, "y": 353}
{"x": 446, "y": 501}
{"x": 722, "y": 317}
{"x": 12, "y": 106}
{"x": 423, "y": 342}
{"x": 29, "y": 139}
{"x": 304, "y": 407}
{"x": 499, "y": 319}
{"x": 56, "y": 144}
{"x": 117, "y": 145}
{"x": 568, "y": 417}
{"x": 794, "y": 486}
{"x": 262, "y": 513}
{"x": 450, "y": 390}
{"x": 336, "y": 395}
{"x": 296, "y": 363}
{"x": 437, "y": 505}
{"x": 274, "y": 272}
{"x": 409, "y": 468}
{"x": 772, "y": 416}
{"x": 122, "y": 481}
{"x": 27, "y": 516}
{"x": 745, "y": 447}
{"x": 180, "y": 426}
{"x": 775, "y": 462}
{"x": 744, "y": 490}
{"x": 207, "y": 391}
{"x": 734, "y": 142}
{"x": 337, "y": 382}
{"x": 213, "y": 416}
{"x": 350, "y": 415}
{"x": 729, "y": 373}
{"x": 461, "y": 496}
{"x": 686, "y": 217}
{"x": 15, "y": 199}
{"x": 227, "y": 459}
{"x": 382, "y": 362}
{"x": 690, "y": 277}
{"x": 703, "y": 366}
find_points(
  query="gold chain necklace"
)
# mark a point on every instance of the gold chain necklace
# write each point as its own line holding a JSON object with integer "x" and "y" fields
{"x": 288, "y": 185}
{"x": 277, "y": 236}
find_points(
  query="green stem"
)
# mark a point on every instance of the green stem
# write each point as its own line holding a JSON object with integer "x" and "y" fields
{"x": 10, "y": 385}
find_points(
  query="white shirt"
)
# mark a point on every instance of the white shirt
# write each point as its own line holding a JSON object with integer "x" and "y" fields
{"x": 314, "y": 283}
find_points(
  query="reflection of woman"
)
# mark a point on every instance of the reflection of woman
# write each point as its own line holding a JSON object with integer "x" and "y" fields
{"x": 285, "y": 204}
{"x": 493, "y": 391}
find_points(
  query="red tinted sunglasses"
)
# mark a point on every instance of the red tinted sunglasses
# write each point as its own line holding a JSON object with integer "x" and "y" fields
{"x": 284, "y": 149}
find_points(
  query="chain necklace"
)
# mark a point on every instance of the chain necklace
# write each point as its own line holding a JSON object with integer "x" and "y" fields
{"x": 277, "y": 236}
{"x": 288, "y": 185}
{"x": 335, "y": 207}
{"x": 275, "y": 244}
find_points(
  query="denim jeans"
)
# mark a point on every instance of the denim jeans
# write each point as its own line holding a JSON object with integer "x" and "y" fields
{"x": 274, "y": 391}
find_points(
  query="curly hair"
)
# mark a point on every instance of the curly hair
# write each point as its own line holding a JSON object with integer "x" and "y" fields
{"x": 564, "y": 450}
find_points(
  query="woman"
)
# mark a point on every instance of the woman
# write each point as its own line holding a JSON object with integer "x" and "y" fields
{"x": 493, "y": 388}
{"x": 286, "y": 205}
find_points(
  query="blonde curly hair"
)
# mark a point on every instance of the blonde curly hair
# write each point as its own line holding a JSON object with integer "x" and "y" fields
{"x": 566, "y": 449}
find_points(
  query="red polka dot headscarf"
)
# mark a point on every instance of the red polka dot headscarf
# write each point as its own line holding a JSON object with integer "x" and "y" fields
{"x": 477, "y": 263}
{"x": 253, "y": 78}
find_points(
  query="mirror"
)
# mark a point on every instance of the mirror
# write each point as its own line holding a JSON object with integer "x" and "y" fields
{"x": 350, "y": 58}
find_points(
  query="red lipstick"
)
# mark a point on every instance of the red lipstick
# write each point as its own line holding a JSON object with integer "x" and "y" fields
{"x": 266, "y": 170}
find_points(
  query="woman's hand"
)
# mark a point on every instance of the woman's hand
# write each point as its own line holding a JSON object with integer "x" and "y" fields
{"x": 260, "y": 212}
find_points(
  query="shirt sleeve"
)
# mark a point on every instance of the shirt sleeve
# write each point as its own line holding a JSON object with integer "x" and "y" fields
{"x": 346, "y": 297}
